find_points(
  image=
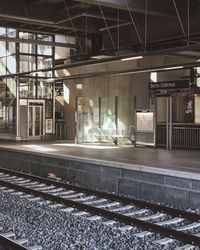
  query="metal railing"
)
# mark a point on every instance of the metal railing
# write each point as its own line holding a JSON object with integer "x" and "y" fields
{"x": 182, "y": 136}
{"x": 186, "y": 137}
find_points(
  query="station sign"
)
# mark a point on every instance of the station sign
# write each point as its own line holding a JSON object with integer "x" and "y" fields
{"x": 170, "y": 88}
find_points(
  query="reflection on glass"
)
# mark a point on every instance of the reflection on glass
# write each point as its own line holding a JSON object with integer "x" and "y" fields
{"x": 27, "y": 88}
{"x": 2, "y": 66}
{"x": 2, "y": 48}
{"x": 11, "y": 32}
{"x": 27, "y": 63}
{"x": 48, "y": 109}
{"x": 44, "y": 63}
{"x": 37, "y": 121}
{"x": 11, "y": 64}
{"x": 44, "y": 90}
{"x": 30, "y": 121}
{"x": 11, "y": 48}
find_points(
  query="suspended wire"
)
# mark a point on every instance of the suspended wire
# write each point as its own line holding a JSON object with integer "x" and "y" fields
{"x": 179, "y": 18}
{"x": 113, "y": 44}
{"x": 146, "y": 16}
{"x": 67, "y": 10}
{"x": 188, "y": 23}
{"x": 118, "y": 30}
{"x": 86, "y": 26}
{"x": 134, "y": 24}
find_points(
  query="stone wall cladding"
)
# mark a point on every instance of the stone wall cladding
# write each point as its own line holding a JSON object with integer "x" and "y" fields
{"x": 134, "y": 183}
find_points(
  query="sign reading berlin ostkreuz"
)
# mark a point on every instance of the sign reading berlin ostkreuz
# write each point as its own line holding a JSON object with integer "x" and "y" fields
{"x": 169, "y": 88}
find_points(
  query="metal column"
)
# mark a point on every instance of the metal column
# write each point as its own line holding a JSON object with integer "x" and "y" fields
{"x": 170, "y": 122}
{"x": 167, "y": 124}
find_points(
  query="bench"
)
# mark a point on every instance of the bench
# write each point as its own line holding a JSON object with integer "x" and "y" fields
{"x": 114, "y": 135}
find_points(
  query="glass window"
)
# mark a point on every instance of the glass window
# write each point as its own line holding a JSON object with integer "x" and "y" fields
{"x": 45, "y": 37}
{"x": 27, "y": 63}
{"x": 27, "y": 35}
{"x": 3, "y": 66}
{"x": 48, "y": 109}
{"x": 27, "y": 88}
{"x": 11, "y": 32}
{"x": 11, "y": 88}
{"x": 7, "y": 107}
{"x": 45, "y": 63}
{"x": 44, "y": 90}
{"x": 2, "y": 48}
{"x": 2, "y": 31}
{"x": 27, "y": 48}
{"x": 45, "y": 49}
{"x": 11, "y": 64}
{"x": 2, "y": 90}
{"x": 11, "y": 48}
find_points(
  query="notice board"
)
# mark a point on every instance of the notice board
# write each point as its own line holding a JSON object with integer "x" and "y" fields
{"x": 144, "y": 121}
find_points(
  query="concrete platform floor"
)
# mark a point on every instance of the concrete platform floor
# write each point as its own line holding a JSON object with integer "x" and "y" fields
{"x": 128, "y": 156}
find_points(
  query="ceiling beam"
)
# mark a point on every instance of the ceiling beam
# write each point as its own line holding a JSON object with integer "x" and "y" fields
{"x": 155, "y": 7}
{"x": 113, "y": 59}
{"x": 31, "y": 41}
{"x": 39, "y": 22}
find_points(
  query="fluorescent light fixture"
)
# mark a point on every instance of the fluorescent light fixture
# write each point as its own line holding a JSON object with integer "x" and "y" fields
{"x": 50, "y": 80}
{"x": 131, "y": 58}
{"x": 100, "y": 57}
{"x": 177, "y": 67}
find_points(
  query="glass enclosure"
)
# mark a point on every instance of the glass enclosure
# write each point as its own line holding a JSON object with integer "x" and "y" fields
{"x": 32, "y": 56}
{"x": 8, "y": 106}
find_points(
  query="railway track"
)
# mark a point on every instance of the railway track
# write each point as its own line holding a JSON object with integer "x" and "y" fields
{"x": 172, "y": 224}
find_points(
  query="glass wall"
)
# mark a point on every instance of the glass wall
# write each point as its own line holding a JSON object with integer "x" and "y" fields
{"x": 7, "y": 52}
{"x": 33, "y": 57}
{"x": 8, "y": 65}
{"x": 8, "y": 106}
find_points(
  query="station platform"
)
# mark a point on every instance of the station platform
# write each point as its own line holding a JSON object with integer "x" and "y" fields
{"x": 155, "y": 174}
{"x": 177, "y": 162}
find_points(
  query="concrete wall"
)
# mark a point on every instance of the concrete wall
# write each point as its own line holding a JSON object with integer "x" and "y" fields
{"x": 125, "y": 180}
{"x": 132, "y": 89}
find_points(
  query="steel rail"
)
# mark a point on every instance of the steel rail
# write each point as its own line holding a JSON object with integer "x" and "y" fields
{"x": 168, "y": 232}
{"x": 112, "y": 197}
{"x": 11, "y": 244}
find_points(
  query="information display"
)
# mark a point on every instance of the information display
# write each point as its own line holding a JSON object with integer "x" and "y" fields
{"x": 197, "y": 109}
{"x": 169, "y": 88}
{"x": 144, "y": 121}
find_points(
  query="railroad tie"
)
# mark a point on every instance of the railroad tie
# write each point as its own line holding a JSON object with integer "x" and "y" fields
{"x": 94, "y": 218}
{"x": 80, "y": 213}
{"x": 189, "y": 226}
{"x": 152, "y": 217}
{"x": 185, "y": 247}
{"x": 125, "y": 228}
{"x": 36, "y": 248}
{"x": 164, "y": 241}
{"x": 109, "y": 222}
{"x": 21, "y": 241}
{"x": 67, "y": 209}
{"x": 137, "y": 212}
{"x": 8, "y": 235}
{"x": 171, "y": 221}
{"x": 143, "y": 234}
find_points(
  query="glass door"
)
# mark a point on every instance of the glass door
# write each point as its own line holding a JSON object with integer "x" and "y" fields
{"x": 35, "y": 121}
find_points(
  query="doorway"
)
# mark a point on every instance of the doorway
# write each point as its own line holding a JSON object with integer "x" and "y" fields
{"x": 35, "y": 115}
